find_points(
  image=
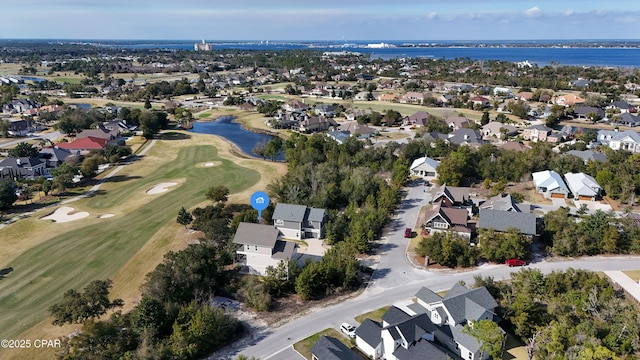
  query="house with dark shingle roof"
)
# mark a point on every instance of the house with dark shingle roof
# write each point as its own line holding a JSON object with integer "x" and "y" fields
{"x": 22, "y": 168}
{"x": 627, "y": 119}
{"x": 431, "y": 327}
{"x": 452, "y": 195}
{"x": 504, "y": 203}
{"x": 443, "y": 219}
{"x": 498, "y": 220}
{"x": 587, "y": 155}
{"x": 299, "y": 221}
{"x": 260, "y": 246}
{"x": 330, "y": 348}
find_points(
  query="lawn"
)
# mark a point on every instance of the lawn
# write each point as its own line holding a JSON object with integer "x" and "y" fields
{"x": 304, "y": 346}
{"x": 375, "y": 315}
{"x": 633, "y": 274}
{"x": 49, "y": 258}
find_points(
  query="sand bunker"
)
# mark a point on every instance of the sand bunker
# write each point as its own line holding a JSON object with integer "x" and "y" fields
{"x": 64, "y": 214}
{"x": 106, "y": 216}
{"x": 209, "y": 164}
{"x": 160, "y": 188}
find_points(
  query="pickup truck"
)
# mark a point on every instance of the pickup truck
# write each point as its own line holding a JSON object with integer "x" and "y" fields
{"x": 515, "y": 262}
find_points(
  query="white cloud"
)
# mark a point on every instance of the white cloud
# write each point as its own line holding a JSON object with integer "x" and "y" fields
{"x": 533, "y": 12}
{"x": 432, "y": 15}
{"x": 569, "y": 12}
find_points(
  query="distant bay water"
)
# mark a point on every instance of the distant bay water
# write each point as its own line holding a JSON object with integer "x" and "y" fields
{"x": 574, "y": 53}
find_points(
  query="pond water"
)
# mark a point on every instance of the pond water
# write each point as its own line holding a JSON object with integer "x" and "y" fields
{"x": 225, "y": 127}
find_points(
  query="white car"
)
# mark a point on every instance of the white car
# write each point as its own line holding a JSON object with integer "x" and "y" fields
{"x": 348, "y": 330}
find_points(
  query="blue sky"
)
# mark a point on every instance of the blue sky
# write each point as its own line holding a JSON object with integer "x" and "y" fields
{"x": 321, "y": 20}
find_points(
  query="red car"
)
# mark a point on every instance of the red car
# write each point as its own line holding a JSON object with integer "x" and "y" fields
{"x": 408, "y": 232}
{"x": 515, "y": 262}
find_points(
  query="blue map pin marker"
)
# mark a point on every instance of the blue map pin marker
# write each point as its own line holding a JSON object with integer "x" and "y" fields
{"x": 259, "y": 201}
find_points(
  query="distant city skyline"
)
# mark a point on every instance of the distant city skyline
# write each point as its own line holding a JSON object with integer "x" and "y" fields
{"x": 348, "y": 20}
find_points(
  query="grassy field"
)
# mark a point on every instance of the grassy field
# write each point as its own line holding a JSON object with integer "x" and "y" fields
{"x": 49, "y": 258}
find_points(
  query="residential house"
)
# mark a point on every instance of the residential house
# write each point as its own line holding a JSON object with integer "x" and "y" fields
{"x": 84, "y": 145}
{"x": 465, "y": 136}
{"x": 54, "y": 157}
{"x": 583, "y": 186}
{"x": 457, "y": 122}
{"x": 339, "y": 136}
{"x": 550, "y": 184}
{"x": 480, "y": 101}
{"x": 504, "y": 203}
{"x": 502, "y": 92}
{"x": 432, "y": 327}
{"x": 19, "y": 106}
{"x": 412, "y": 97}
{"x": 446, "y": 99}
{"x": 567, "y": 100}
{"x": 20, "y": 127}
{"x": 387, "y": 97}
{"x": 356, "y": 113}
{"x": 22, "y": 168}
{"x": 620, "y": 140}
{"x": 260, "y": 246}
{"x": 330, "y": 348}
{"x": 580, "y": 83}
{"x": 314, "y": 124}
{"x": 325, "y": 110}
{"x": 587, "y": 155}
{"x": 536, "y": 133}
{"x": 452, "y": 196}
{"x": 299, "y": 222}
{"x": 361, "y": 96}
{"x": 354, "y": 128}
{"x": 101, "y": 132}
{"x": 443, "y": 219}
{"x": 524, "y": 96}
{"x": 424, "y": 167}
{"x": 627, "y": 119}
{"x": 498, "y": 130}
{"x": 295, "y": 105}
{"x": 621, "y": 106}
{"x": 417, "y": 119}
{"x": 364, "y": 77}
{"x": 514, "y": 146}
{"x": 499, "y": 220}
{"x": 581, "y": 112}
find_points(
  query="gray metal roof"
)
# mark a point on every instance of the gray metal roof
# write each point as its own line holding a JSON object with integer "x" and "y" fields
{"x": 502, "y": 220}
{"x": 329, "y": 348}
{"x": 369, "y": 332}
{"x": 289, "y": 212}
{"x": 256, "y": 234}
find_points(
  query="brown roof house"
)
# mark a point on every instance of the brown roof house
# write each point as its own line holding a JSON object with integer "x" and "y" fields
{"x": 260, "y": 246}
{"x": 442, "y": 219}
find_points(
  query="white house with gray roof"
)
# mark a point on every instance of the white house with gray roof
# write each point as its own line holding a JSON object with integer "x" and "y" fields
{"x": 260, "y": 246}
{"x": 620, "y": 140}
{"x": 430, "y": 327}
{"x": 424, "y": 167}
{"x": 299, "y": 221}
{"x": 550, "y": 184}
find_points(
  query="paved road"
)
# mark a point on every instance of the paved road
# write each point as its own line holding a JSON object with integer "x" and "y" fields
{"x": 48, "y": 136}
{"x": 396, "y": 280}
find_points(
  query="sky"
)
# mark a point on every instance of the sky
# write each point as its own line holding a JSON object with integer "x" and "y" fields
{"x": 336, "y": 20}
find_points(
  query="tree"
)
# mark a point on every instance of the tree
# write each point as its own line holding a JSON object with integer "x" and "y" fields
{"x": 23, "y": 149}
{"x": 219, "y": 194}
{"x": 5, "y": 125}
{"x": 63, "y": 176}
{"x": 489, "y": 335}
{"x": 274, "y": 147}
{"x": 147, "y": 104}
{"x": 485, "y": 118}
{"x": 184, "y": 217}
{"x": 7, "y": 194}
{"x": 77, "y": 307}
{"x": 90, "y": 166}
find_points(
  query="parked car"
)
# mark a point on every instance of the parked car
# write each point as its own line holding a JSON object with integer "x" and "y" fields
{"x": 348, "y": 330}
{"x": 515, "y": 262}
{"x": 408, "y": 232}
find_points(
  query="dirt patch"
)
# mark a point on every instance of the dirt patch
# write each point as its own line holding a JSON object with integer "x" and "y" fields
{"x": 66, "y": 214}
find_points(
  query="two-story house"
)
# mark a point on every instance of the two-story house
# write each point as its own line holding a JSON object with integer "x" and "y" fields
{"x": 299, "y": 222}
{"x": 536, "y": 133}
{"x": 443, "y": 219}
{"x": 260, "y": 246}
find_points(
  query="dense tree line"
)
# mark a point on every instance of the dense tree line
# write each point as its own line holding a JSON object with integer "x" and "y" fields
{"x": 574, "y": 314}
{"x": 358, "y": 186}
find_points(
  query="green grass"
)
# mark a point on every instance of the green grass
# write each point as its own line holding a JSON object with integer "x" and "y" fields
{"x": 304, "y": 346}
{"x": 69, "y": 80}
{"x": 375, "y": 315}
{"x": 205, "y": 114}
{"x": 96, "y": 251}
